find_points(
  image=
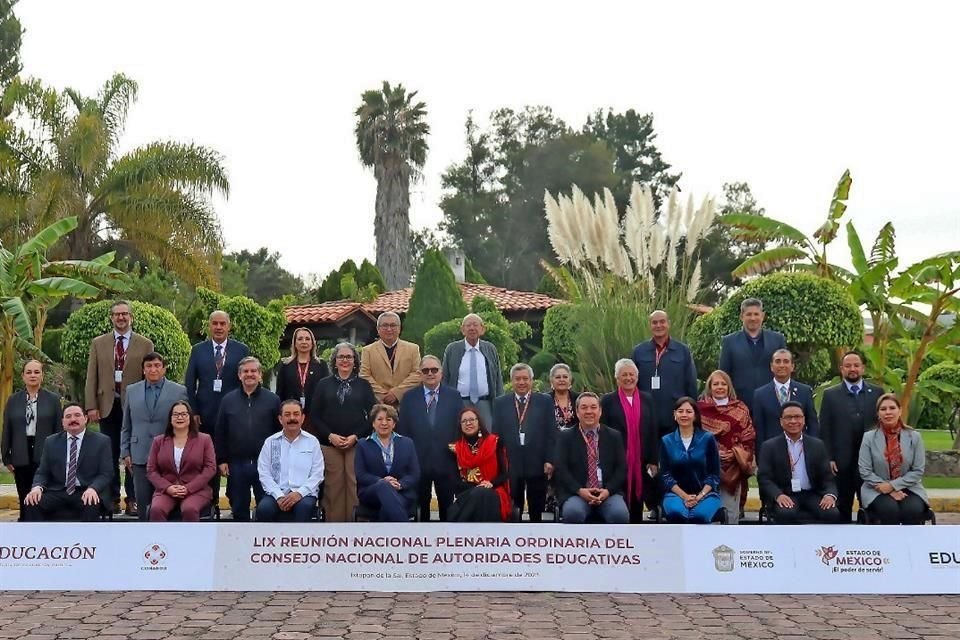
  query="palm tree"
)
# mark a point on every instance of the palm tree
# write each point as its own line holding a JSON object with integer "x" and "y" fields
{"x": 392, "y": 138}
{"x": 794, "y": 249}
{"x": 60, "y": 160}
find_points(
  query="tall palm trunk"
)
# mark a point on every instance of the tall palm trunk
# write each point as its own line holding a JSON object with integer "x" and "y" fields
{"x": 392, "y": 223}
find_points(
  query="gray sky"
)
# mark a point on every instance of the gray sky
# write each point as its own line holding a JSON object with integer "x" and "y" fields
{"x": 783, "y": 99}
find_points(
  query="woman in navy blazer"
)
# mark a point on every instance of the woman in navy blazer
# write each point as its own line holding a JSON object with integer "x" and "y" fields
{"x": 180, "y": 466}
{"x": 690, "y": 467}
{"x": 387, "y": 469}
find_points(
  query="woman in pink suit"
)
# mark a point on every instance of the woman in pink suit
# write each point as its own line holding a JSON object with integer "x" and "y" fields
{"x": 180, "y": 467}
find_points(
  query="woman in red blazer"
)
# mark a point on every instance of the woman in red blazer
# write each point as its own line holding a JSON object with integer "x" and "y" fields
{"x": 180, "y": 467}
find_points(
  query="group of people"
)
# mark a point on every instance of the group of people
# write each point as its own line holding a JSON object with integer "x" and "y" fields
{"x": 376, "y": 434}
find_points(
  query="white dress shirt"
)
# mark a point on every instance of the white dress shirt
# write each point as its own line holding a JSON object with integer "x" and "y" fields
{"x": 301, "y": 466}
{"x": 798, "y": 463}
{"x": 463, "y": 379}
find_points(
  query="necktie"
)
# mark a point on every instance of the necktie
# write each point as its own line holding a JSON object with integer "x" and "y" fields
{"x": 855, "y": 389}
{"x": 72, "y": 467}
{"x": 431, "y": 407}
{"x": 218, "y": 358}
{"x": 119, "y": 356}
{"x": 782, "y": 394}
{"x": 593, "y": 481}
{"x": 473, "y": 387}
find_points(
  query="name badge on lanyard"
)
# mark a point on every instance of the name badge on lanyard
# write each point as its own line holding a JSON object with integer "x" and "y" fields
{"x": 118, "y": 376}
{"x": 217, "y": 385}
{"x": 655, "y": 382}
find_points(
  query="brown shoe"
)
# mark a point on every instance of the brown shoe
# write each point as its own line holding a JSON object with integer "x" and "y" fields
{"x": 132, "y": 508}
{"x": 116, "y": 508}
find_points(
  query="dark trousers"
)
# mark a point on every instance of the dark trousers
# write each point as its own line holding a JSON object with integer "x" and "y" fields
{"x": 886, "y": 510}
{"x": 23, "y": 478}
{"x": 848, "y": 486}
{"x": 143, "y": 488}
{"x": 535, "y": 490}
{"x": 111, "y": 426}
{"x": 242, "y": 479}
{"x": 806, "y": 508}
{"x": 57, "y": 505}
{"x": 444, "y": 486}
{"x": 390, "y": 504}
{"x": 269, "y": 511}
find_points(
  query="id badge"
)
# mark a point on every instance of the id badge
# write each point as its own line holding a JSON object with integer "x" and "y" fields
{"x": 795, "y": 485}
{"x": 655, "y": 383}
{"x": 523, "y": 438}
{"x": 303, "y": 402}
{"x": 217, "y": 385}
{"x": 118, "y": 375}
{"x": 600, "y": 476}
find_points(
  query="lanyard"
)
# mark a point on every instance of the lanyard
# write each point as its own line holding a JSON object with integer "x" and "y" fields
{"x": 223, "y": 358}
{"x": 794, "y": 463}
{"x": 302, "y": 372}
{"x": 658, "y": 353}
{"x": 521, "y": 416}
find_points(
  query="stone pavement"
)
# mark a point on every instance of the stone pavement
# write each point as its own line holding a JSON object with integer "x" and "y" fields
{"x": 494, "y": 616}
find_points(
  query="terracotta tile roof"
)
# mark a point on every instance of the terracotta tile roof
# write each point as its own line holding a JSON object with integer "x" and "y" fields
{"x": 327, "y": 312}
{"x": 399, "y": 301}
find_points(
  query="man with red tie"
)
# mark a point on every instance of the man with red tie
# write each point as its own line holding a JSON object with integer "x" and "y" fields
{"x": 116, "y": 361}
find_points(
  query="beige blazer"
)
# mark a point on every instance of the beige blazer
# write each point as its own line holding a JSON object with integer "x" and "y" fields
{"x": 874, "y": 468}
{"x": 100, "y": 388}
{"x": 375, "y": 368}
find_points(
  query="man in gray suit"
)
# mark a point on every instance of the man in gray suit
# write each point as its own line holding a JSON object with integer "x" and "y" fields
{"x": 146, "y": 412}
{"x": 472, "y": 367}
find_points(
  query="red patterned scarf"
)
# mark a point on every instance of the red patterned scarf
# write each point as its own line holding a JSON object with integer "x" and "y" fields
{"x": 893, "y": 453}
{"x": 478, "y": 463}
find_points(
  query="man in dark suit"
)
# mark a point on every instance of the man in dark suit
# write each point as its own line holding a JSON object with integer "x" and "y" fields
{"x": 768, "y": 399}
{"x": 115, "y": 362}
{"x": 746, "y": 354}
{"x": 74, "y": 475}
{"x": 796, "y": 483}
{"x": 212, "y": 374}
{"x": 590, "y": 468}
{"x": 430, "y": 416}
{"x": 472, "y": 367}
{"x": 526, "y": 424}
{"x": 847, "y": 411}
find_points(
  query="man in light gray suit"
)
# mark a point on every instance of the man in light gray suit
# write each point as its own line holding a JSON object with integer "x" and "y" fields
{"x": 146, "y": 411}
{"x": 472, "y": 367}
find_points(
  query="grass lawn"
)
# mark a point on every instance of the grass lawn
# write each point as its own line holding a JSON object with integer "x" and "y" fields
{"x": 936, "y": 439}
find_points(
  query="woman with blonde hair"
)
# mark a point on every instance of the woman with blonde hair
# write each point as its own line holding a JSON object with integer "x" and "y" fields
{"x": 298, "y": 375}
{"x": 728, "y": 419}
{"x": 892, "y": 461}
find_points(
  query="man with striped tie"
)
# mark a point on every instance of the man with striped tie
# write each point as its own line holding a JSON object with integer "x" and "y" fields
{"x": 590, "y": 469}
{"x": 768, "y": 399}
{"x": 73, "y": 479}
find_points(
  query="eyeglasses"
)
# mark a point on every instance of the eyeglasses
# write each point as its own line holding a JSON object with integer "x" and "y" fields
{"x": 345, "y": 357}
{"x": 468, "y": 421}
{"x": 429, "y": 370}
{"x": 791, "y": 418}
{"x": 180, "y": 414}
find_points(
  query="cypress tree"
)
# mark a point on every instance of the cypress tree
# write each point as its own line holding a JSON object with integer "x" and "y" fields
{"x": 436, "y": 297}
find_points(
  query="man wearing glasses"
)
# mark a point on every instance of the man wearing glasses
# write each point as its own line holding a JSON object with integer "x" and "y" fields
{"x": 115, "y": 362}
{"x": 431, "y": 419}
{"x": 390, "y": 364}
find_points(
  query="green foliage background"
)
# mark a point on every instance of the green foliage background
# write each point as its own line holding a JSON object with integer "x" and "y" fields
{"x": 436, "y": 298}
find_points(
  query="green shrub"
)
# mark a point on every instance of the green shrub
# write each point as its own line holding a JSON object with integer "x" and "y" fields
{"x": 941, "y": 404}
{"x": 92, "y": 320}
{"x": 559, "y": 336}
{"x": 52, "y": 339}
{"x": 814, "y": 314}
{"x": 541, "y": 362}
{"x": 436, "y": 297}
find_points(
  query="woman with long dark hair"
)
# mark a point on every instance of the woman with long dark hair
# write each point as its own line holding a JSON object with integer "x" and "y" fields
{"x": 690, "y": 467}
{"x": 482, "y": 489}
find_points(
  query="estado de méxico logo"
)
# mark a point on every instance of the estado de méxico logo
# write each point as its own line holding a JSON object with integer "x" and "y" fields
{"x": 852, "y": 560}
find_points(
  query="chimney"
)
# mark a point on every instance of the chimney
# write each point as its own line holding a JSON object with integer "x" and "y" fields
{"x": 457, "y": 260}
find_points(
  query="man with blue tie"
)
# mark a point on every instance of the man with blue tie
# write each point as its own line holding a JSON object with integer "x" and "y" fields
{"x": 472, "y": 367}
{"x": 768, "y": 399}
{"x": 211, "y": 374}
{"x": 431, "y": 419}
{"x": 847, "y": 411}
{"x": 745, "y": 355}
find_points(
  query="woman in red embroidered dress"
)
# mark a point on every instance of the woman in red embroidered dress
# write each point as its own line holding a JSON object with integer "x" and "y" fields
{"x": 482, "y": 490}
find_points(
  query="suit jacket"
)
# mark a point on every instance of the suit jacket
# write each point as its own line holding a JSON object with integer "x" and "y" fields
{"x": 13, "y": 444}
{"x": 453, "y": 357}
{"x": 540, "y": 431}
{"x": 142, "y": 422}
{"x": 844, "y": 419}
{"x": 100, "y": 387}
{"x": 370, "y": 469}
{"x": 612, "y": 415}
{"x": 678, "y": 378}
{"x": 570, "y": 462}
{"x": 202, "y": 371}
{"x": 433, "y": 452}
{"x": 774, "y": 472}
{"x": 198, "y": 465}
{"x": 766, "y": 410}
{"x": 375, "y": 368}
{"x": 95, "y": 464}
{"x": 874, "y": 468}
{"x": 288, "y": 381}
{"x": 747, "y": 366}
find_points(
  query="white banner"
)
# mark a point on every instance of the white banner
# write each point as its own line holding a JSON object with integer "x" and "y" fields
{"x": 483, "y": 557}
